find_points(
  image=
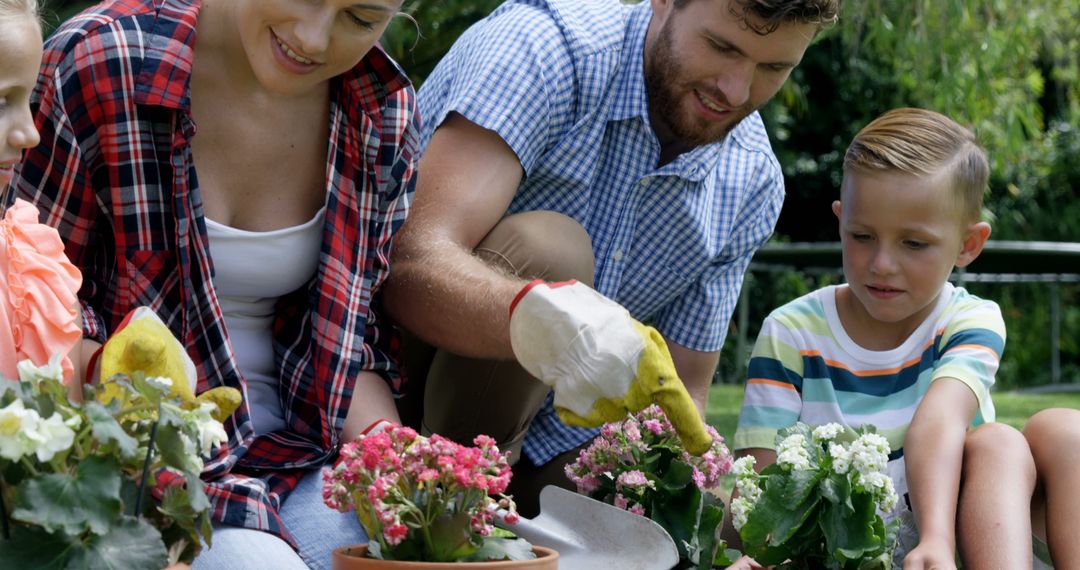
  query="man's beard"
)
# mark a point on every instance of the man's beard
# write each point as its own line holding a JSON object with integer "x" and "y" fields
{"x": 663, "y": 84}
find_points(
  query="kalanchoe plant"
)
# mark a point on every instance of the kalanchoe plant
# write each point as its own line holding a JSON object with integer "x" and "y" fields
{"x": 93, "y": 485}
{"x": 640, "y": 465}
{"x": 426, "y": 499}
{"x": 821, "y": 504}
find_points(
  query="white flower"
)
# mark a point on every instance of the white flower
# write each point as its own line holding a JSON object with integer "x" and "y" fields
{"x": 52, "y": 370}
{"x": 792, "y": 453}
{"x": 15, "y": 420}
{"x": 744, "y": 466}
{"x": 52, "y": 437}
{"x": 841, "y": 458}
{"x": 163, "y": 383}
{"x": 740, "y": 512}
{"x": 869, "y": 453}
{"x": 748, "y": 488}
{"x": 827, "y": 432}
{"x": 210, "y": 431}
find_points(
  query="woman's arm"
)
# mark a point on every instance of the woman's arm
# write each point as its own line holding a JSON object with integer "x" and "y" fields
{"x": 372, "y": 401}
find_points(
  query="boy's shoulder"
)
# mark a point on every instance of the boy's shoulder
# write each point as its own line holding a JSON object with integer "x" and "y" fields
{"x": 965, "y": 311}
{"x": 808, "y": 309}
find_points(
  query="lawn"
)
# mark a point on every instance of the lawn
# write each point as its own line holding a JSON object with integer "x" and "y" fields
{"x": 1012, "y": 408}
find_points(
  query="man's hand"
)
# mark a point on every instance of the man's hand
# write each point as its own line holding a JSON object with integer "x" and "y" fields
{"x": 599, "y": 360}
{"x": 931, "y": 555}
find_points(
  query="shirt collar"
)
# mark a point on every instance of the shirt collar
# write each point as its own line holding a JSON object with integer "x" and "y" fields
{"x": 630, "y": 99}
{"x": 165, "y": 64}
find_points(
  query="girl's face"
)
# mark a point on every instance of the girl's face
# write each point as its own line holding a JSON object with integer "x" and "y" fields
{"x": 20, "y": 44}
{"x": 296, "y": 45}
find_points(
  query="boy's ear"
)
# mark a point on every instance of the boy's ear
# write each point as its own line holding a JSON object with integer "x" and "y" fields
{"x": 974, "y": 239}
{"x": 836, "y": 208}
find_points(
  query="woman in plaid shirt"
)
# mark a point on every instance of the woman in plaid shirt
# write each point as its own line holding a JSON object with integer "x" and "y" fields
{"x": 241, "y": 168}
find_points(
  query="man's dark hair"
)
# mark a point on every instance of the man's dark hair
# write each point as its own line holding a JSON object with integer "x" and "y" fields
{"x": 765, "y": 16}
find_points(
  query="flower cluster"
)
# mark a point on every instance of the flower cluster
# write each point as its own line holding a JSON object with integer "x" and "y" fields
{"x": 73, "y": 474}
{"x": 421, "y": 498}
{"x": 640, "y": 465}
{"x": 802, "y": 507}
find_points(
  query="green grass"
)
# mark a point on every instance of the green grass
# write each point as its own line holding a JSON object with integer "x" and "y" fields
{"x": 1012, "y": 408}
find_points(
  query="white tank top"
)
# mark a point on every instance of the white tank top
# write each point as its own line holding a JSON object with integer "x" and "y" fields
{"x": 251, "y": 271}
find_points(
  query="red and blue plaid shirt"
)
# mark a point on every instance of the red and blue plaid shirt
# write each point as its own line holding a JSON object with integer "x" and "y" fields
{"x": 114, "y": 174}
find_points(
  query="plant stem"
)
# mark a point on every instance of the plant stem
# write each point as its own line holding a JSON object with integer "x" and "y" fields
{"x": 3, "y": 511}
{"x": 29, "y": 466}
{"x": 146, "y": 469}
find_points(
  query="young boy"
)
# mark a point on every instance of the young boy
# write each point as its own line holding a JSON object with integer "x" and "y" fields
{"x": 899, "y": 347}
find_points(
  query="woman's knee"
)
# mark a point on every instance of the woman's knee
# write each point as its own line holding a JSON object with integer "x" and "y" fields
{"x": 540, "y": 244}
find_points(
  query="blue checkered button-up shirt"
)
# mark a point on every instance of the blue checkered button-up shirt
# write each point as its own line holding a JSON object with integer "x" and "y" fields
{"x": 561, "y": 81}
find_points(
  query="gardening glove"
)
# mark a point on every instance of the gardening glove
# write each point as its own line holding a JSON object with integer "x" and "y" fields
{"x": 143, "y": 343}
{"x": 600, "y": 361}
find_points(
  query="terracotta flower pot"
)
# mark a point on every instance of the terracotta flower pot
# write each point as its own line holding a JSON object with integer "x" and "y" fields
{"x": 355, "y": 558}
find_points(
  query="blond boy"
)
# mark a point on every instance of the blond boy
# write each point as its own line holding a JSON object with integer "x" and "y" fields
{"x": 897, "y": 346}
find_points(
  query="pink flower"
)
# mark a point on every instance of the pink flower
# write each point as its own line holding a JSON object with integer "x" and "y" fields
{"x": 632, "y": 479}
{"x": 395, "y": 533}
{"x": 399, "y": 482}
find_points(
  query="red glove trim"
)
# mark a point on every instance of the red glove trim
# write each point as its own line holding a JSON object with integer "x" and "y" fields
{"x": 525, "y": 290}
{"x": 368, "y": 429}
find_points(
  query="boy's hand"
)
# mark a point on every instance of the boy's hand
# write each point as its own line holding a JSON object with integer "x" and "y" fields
{"x": 746, "y": 563}
{"x": 599, "y": 360}
{"x": 931, "y": 555}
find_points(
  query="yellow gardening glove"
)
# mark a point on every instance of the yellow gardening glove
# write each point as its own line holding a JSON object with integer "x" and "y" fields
{"x": 146, "y": 345}
{"x": 600, "y": 361}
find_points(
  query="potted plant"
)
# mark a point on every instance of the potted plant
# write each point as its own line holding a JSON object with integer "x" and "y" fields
{"x": 87, "y": 484}
{"x": 427, "y": 501}
{"x": 639, "y": 464}
{"x": 820, "y": 504}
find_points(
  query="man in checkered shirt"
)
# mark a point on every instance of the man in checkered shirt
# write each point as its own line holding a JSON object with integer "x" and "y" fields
{"x": 614, "y": 145}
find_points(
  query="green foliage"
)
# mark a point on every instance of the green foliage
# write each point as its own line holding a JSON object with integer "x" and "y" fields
{"x": 822, "y": 511}
{"x": 72, "y": 473}
{"x": 418, "y": 42}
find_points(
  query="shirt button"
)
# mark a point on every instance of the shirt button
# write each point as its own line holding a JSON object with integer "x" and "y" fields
{"x": 617, "y": 256}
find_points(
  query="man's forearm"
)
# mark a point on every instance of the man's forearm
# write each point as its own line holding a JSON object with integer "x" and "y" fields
{"x": 450, "y": 298}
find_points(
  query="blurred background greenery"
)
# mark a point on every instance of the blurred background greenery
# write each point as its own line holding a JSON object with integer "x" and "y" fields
{"x": 1009, "y": 70}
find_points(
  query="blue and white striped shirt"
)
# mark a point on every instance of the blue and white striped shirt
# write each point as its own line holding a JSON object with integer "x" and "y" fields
{"x": 562, "y": 83}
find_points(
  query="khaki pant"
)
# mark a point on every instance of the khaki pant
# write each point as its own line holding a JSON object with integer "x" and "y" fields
{"x": 459, "y": 397}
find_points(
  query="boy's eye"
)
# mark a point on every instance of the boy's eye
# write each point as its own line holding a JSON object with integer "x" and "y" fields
{"x": 860, "y": 237}
{"x": 914, "y": 244}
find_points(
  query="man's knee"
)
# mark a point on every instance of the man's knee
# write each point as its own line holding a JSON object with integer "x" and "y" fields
{"x": 541, "y": 244}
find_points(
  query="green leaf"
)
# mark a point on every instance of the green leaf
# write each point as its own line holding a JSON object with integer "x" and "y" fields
{"x": 33, "y": 547}
{"x": 59, "y": 501}
{"x": 708, "y": 541}
{"x": 106, "y": 429}
{"x": 837, "y": 490}
{"x": 130, "y": 544}
{"x": 172, "y": 447}
{"x": 498, "y": 548}
{"x": 850, "y": 535}
{"x": 678, "y": 512}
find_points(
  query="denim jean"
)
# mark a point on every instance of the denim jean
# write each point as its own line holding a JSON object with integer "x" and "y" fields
{"x": 317, "y": 528}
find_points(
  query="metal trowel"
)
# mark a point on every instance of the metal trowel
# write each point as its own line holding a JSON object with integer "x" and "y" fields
{"x": 590, "y": 535}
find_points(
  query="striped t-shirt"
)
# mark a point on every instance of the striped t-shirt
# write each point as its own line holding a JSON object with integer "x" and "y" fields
{"x": 806, "y": 368}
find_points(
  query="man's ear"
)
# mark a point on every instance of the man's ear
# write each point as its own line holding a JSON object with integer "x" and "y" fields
{"x": 974, "y": 239}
